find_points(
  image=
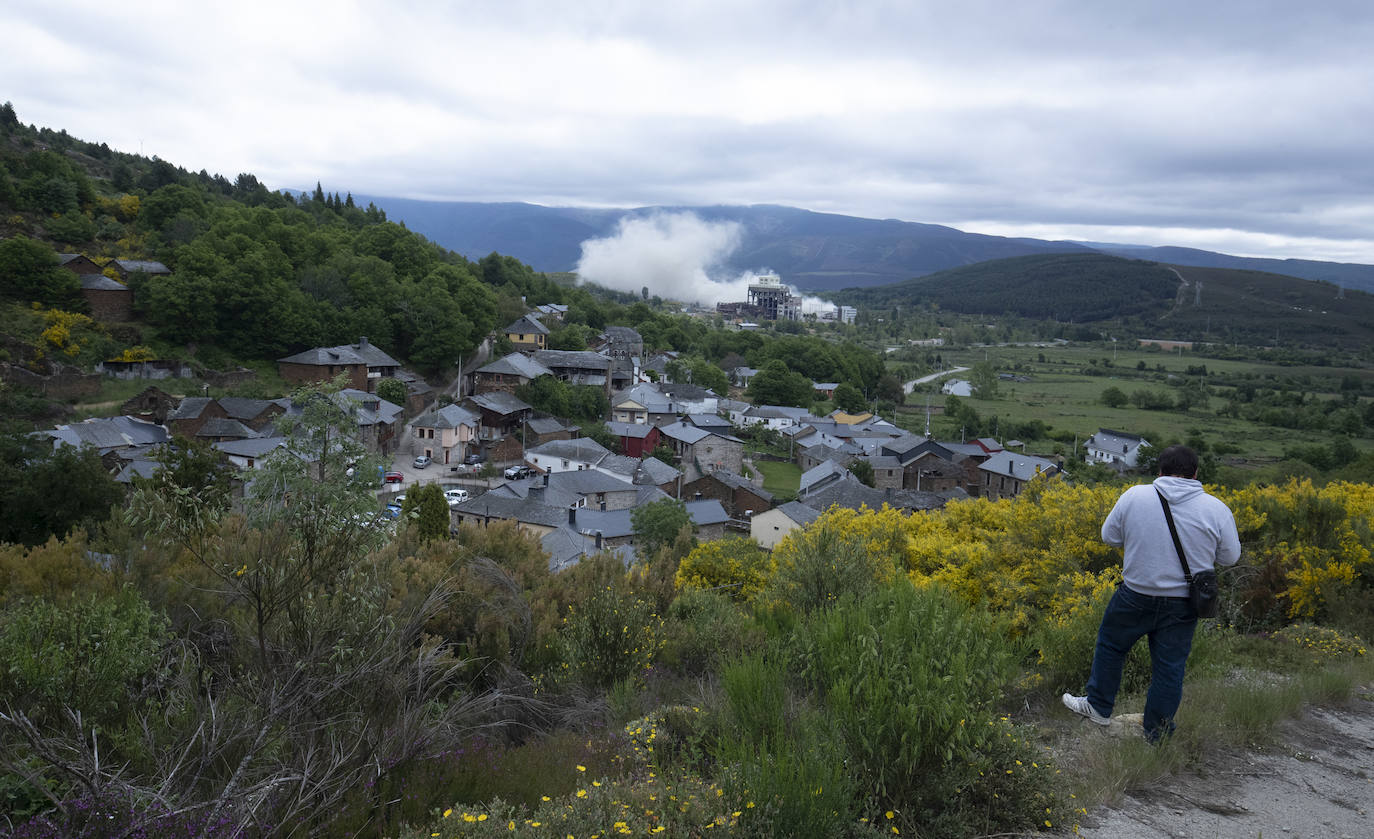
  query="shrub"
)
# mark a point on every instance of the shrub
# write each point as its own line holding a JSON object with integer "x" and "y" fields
{"x": 736, "y": 566}
{"x": 909, "y": 677}
{"x": 702, "y": 629}
{"x": 612, "y": 635}
{"x": 844, "y": 552}
{"x": 89, "y": 654}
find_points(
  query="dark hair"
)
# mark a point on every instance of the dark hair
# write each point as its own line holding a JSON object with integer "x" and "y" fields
{"x": 1178, "y": 462}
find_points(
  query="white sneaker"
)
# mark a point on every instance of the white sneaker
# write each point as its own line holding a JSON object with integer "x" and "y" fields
{"x": 1081, "y": 705}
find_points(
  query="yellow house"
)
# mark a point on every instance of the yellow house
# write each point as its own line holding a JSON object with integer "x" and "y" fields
{"x": 527, "y": 333}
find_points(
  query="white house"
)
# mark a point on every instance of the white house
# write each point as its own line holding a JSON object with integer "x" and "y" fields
{"x": 1114, "y": 448}
{"x": 769, "y": 527}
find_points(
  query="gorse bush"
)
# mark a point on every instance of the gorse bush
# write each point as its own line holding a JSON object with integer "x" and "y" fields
{"x": 910, "y": 677}
{"x": 611, "y": 636}
{"x": 91, "y": 654}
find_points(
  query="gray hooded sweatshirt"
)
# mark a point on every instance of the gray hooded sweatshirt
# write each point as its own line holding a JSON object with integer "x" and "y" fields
{"x": 1205, "y": 526}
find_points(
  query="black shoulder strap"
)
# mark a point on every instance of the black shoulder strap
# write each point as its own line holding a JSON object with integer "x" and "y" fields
{"x": 1173, "y": 531}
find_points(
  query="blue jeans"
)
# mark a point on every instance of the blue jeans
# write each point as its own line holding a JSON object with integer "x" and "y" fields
{"x": 1169, "y": 623}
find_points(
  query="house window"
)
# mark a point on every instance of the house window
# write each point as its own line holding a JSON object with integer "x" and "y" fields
{"x": 419, "y": 432}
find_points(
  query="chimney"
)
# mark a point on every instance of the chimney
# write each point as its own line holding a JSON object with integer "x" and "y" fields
{"x": 546, "y": 479}
{"x": 598, "y": 541}
{"x": 362, "y": 342}
{"x": 572, "y": 516}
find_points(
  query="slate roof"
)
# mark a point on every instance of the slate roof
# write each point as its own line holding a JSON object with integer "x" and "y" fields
{"x": 734, "y": 481}
{"x": 190, "y": 408}
{"x": 367, "y": 354}
{"x": 566, "y": 547}
{"x": 654, "y": 472}
{"x": 549, "y": 425}
{"x": 526, "y": 325}
{"x": 853, "y": 495}
{"x": 821, "y": 474}
{"x": 493, "y": 505}
{"x": 619, "y": 464}
{"x": 499, "y": 402}
{"x": 798, "y": 512}
{"x": 579, "y": 359}
{"x": 145, "y": 266}
{"x": 516, "y": 364}
{"x": 449, "y": 416}
{"x": 1115, "y": 441}
{"x": 633, "y": 430}
{"x": 100, "y": 282}
{"x": 386, "y": 412}
{"x": 221, "y": 427}
{"x": 685, "y": 391}
{"x": 581, "y": 448}
{"x": 137, "y": 468}
{"x": 622, "y": 334}
{"x": 1023, "y": 467}
{"x": 711, "y": 421}
{"x": 241, "y": 408}
{"x": 254, "y": 447}
{"x": 108, "y": 433}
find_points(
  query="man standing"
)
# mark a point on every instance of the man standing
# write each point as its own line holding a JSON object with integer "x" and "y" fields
{"x": 1152, "y": 599}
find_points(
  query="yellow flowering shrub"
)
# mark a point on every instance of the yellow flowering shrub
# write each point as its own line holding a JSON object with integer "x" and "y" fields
{"x": 738, "y": 567}
{"x": 1308, "y": 542}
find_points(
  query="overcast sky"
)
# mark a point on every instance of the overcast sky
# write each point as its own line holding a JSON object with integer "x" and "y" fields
{"x": 1242, "y": 127}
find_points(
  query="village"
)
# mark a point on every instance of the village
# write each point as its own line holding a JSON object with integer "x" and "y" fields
{"x": 499, "y": 459}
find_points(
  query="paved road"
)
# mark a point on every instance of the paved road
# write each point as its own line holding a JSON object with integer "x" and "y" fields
{"x": 911, "y": 385}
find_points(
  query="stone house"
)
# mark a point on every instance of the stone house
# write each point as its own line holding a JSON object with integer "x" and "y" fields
{"x": 447, "y": 434}
{"x": 1006, "y": 473}
{"x": 362, "y": 363}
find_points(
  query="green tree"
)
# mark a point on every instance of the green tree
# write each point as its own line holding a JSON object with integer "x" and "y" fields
{"x": 427, "y": 506}
{"x": 29, "y": 272}
{"x": 1114, "y": 397}
{"x": 775, "y": 384}
{"x": 392, "y": 390}
{"x": 863, "y": 470}
{"x": 657, "y": 524}
{"x": 47, "y": 491}
{"x": 849, "y": 399}
{"x": 708, "y": 375}
{"x": 890, "y": 390}
{"x": 983, "y": 377}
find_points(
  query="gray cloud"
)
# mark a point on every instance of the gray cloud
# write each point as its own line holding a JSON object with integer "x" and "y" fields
{"x": 1229, "y": 125}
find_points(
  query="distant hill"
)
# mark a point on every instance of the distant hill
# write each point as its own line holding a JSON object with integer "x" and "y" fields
{"x": 815, "y": 251}
{"x": 1347, "y": 274}
{"x": 1232, "y": 306}
{"x": 1074, "y": 288}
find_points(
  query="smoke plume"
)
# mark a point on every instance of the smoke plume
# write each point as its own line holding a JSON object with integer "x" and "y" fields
{"x": 677, "y": 256}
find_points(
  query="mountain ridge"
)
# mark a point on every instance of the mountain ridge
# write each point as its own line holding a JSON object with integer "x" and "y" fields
{"x": 817, "y": 252}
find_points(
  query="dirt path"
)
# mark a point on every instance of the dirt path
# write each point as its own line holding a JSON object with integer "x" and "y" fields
{"x": 1316, "y": 780}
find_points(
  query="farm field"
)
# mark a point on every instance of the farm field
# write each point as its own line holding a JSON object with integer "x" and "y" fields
{"x": 1060, "y": 394}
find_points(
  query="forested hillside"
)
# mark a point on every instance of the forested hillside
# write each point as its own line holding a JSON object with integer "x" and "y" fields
{"x": 256, "y": 274}
{"x": 1160, "y": 301}
{"x": 1073, "y": 288}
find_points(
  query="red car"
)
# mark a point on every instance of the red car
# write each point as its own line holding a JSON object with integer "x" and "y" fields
{"x": 393, "y": 478}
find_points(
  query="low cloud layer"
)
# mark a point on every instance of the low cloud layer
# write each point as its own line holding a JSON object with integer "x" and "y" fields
{"x": 676, "y": 256}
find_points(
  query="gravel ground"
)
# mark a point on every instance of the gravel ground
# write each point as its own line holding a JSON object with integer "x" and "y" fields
{"x": 1315, "y": 780}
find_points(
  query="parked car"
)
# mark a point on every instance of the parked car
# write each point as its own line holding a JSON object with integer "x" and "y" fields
{"x": 421, "y": 461}
{"x": 514, "y": 473}
{"x": 475, "y": 458}
{"x": 392, "y": 511}
{"x": 394, "y": 478}
{"x": 454, "y": 497}
{"x": 465, "y": 468}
